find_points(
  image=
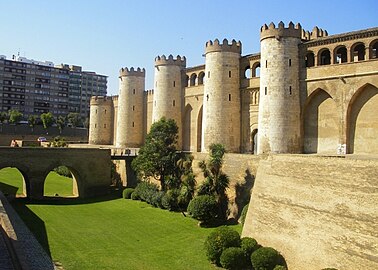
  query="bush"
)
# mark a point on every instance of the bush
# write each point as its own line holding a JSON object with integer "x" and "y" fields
{"x": 146, "y": 191}
{"x": 135, "y": 196}
{"x": 170, "y": 200}
{"x": 249, "y": 245}
{"x": 126, "y": 193}
{"x": 244, "y": 213}
{"x": 280, "y": 267}
{"x": 203, "y": 208}
{"x": 221, "y": 238}
{"x": 233, "y": 258}
{"x": 156, "y": 199}
{"x": 265, "y": 258}
{"x": 64, "y": 171}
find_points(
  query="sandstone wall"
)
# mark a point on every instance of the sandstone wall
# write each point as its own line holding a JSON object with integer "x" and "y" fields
{"x": 317, "y": 211}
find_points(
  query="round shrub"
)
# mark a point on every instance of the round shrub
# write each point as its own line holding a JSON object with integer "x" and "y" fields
{"x": 279, "y": 267}
{"x": 126, "y": 193}
{"x": 265, "y": 258}
{"x": 170, "y": 200}
{"x": 135, "y": 196}
{"x": 203, "y": 208}
{"x": 249, "y": 245}
{"x": 233, "y": 258}
{"x": 156, "y": 199}
{"x": 243, "y": 213}
{"x": 221, "y": 238}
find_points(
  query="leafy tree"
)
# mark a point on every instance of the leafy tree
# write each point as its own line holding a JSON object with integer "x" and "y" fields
{"x": 216, "y": 181}
{"x": 58, "y": 142}
{"x": 157, "y": 157}
{"x": 3, "y": 117}
{"x": 47, "y": 119}
{"x": 61, "y": 123}
{"x": 74, "y": 119}
{"x": 14, "y": 116}
{"x": 86, "y": 122}
{"x": 32, "y": 120}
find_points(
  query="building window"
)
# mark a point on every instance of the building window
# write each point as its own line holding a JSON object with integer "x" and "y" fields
{"x": 174, "y": 83}
{"x": 289, "y": 62}
{"x": 229, "y": 97}
{"x": 95, "y": 125}
{"x": 105, "y": 112}
{"x": 266, "y": 90}
{"x": 229, "y": 74}
{"x": 208, "y": 74}
{"x": 133, "y": 91}
{"x": 174, "y": 103}
{"x": 104, "y": 125}
{"x": 266, "y": 63}
{"x": 133, "y": 108}
{"x": 133, "y": 124}
{"x": 290, "y": 91}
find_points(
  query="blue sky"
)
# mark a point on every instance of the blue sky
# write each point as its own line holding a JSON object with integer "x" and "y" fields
{"x": 105, "y": 35}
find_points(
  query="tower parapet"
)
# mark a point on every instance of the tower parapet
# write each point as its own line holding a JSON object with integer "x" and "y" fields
{"x": 132, "y": 72}
{"x": 216, "y": 46}
{"x": 164, "y": 61}
{"x": 280, "y": 31}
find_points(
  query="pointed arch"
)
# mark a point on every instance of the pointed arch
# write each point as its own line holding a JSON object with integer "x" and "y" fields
{"x": 362, "y": 121}
{"x": 199, "y": 129}
{"x": 320, "y": 123}
{"x": 186, "y": 137}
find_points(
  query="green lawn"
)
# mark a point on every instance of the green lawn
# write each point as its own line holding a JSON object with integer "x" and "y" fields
{"x": 11, "y": 183}
{"x": 116, "y": 234}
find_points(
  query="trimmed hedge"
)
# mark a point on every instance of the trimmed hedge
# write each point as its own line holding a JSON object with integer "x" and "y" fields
{"x": 170, "y": 200}
{"x": 203, "y": 208}
{"x": 244, "y": 214}
{"x": 233, "y": 258}
{"x": 221, "y": 238}
{"x": 249, "y": 245}
{"x": 126, "y": 193}
{"x": 265, "y": 258}
{"x": 279, "y": 267}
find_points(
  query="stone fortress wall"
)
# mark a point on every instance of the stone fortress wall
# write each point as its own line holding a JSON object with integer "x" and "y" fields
{"x": 318, "y": 96}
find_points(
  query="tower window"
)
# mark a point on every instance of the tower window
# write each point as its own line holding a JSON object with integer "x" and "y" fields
{"x": 133, "y": 108}
{"x": 95, "y": 125}
{"x": 229, "y": 97}
{"x": 266, "y": 63}
{"x": 133, "y": 124}
{"x": 174, "y": 83}
{"x": 104, "y": 111}
{"x": 229, "y": 74}
{"x": 174, "y": 103}
{"x": 266, "y": 90}
{"x": 104, "y": 125}
{"x": 96, "y": 111}
{"x": 133, "y": 91}
{"x": 208, "y": 74}
{"x": 289, "y": 62}
{"x": 290, "y": 91}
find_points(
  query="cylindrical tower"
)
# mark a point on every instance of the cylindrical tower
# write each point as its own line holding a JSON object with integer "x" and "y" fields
{"x": 168, "y": 92}
{"x": 101, "y": 121}
{"x": 221, "y": 101}
{"x": 279, "y": 106}
{"x": 130, "y": 108}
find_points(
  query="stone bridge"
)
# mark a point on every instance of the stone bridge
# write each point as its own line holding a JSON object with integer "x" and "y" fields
{"x": 90, "y": 168}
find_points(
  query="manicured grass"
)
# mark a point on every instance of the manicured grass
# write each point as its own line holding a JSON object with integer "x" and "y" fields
{"x": 11, "y": 182}
{"x": 116, "y": 234}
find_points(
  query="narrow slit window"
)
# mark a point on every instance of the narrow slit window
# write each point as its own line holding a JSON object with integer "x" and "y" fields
{"x": 266, "y": 63}
{"x": 96, "y": 111}
{"x": 289, "y": 62}
{"x": 208, "y": 74}
{"x": 133, "y": 124}
{"x": 95, "y": 125}
{"x": 229, "y": 97}
{"x": 266, "y": 90}
{"x": 133, "y": 91}
{"x": 105, "y": 112}
{"x": 174, "y": 103}
{"x": 290, "y": 91}
{"x": 104, "y": 125}
{"x": 229, "y": 74}
{"x": 174, "y": 83}
{"x": 133, "y": 108}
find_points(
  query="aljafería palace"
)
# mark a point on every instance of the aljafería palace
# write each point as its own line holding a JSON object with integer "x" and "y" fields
{"x": 304, "y": 92}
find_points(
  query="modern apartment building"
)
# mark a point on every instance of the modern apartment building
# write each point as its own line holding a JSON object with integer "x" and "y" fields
{"x": 35, "y": 87}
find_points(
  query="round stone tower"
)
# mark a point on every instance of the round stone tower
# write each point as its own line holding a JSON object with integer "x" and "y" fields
{"x": 130, "y": 108}
{"x": 101, "y": 121}
{"x": 221, "y": 101}
{"x": 279, "y": 105}
{"x": 168, "y": 92}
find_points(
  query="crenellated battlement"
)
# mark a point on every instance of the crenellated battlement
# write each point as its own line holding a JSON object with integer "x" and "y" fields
{"x": 314, "y": 34}
{"x": 164, "y": 61}
{"x": 132, "y": 72}
{"x": 101, "y": 100}
{"x": 216, "y": 46}
{"x": 149, "y": 92}
{"x": 272, "y": 31}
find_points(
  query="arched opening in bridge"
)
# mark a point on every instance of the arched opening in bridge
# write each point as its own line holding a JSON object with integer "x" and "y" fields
{"x": 60, "y": 182}
{"x": 12, "y": 182}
